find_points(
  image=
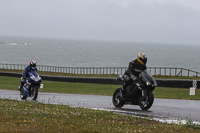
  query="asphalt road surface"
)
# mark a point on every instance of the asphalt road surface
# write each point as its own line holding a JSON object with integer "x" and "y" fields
{"x": 165, "y": 109}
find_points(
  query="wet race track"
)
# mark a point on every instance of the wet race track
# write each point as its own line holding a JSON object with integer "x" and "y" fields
{"x": 165, "y": 110}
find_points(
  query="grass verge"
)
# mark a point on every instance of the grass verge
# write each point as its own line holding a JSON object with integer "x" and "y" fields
{"x": 11, "y": 83}
{"x": 25, "y": 116}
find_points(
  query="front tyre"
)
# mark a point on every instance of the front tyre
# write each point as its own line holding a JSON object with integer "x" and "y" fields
{"x": 117, "y": 100}
{"x": 148, "y": 102}
{"x": 34, "y": 92}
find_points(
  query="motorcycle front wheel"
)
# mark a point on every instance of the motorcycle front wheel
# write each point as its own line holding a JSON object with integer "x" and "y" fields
{"x": 34, "y": 92}
{"x": 117, "y": 100}
{"x": 146, "y": 103}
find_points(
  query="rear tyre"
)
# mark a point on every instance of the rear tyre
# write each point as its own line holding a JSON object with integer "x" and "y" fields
{"x": 148, "y": 102}
{"x": 34, "y": 92}
{"x": 22, "y": 94}
{"x": 117, "y": 100}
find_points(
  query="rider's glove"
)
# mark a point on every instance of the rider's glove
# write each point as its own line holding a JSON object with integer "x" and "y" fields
{"x": 24, "y": 76}
{"x": 23, "y": 79}
{"x": 133, "y": 77}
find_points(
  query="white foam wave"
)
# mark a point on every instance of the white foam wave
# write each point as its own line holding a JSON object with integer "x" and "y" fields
{"x": 15, "y": 44}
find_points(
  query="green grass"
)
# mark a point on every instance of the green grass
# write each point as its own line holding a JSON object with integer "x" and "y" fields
{"x": 26, "y": 116}
{"x": 176, "y": 93}
{"x": 12, "y": 83}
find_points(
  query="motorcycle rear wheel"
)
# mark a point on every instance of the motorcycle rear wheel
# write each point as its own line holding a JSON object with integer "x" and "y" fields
{"x": 148, "y": 102}
{"x": 118, "y": 102}
{"x": 34, "y": 92}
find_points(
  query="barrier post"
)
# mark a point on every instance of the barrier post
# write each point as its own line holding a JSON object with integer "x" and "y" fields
{"x": 192, "y": 89}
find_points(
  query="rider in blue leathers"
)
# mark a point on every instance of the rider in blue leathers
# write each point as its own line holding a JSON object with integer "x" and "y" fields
{"x": 29, "y": 68}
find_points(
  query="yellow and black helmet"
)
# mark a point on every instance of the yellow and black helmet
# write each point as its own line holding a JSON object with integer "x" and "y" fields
{"x": 141, "y": 58}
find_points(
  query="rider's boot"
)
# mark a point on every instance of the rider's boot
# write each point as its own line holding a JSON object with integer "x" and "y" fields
{"x": 124, "y": 91}
{"x": 21, "y": 86}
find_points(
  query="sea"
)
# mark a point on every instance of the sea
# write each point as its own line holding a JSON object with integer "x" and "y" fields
{"x": 90, "y": 53}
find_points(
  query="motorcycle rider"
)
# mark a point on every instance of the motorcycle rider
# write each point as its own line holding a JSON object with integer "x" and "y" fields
{"x": 29, "y": 68}
{"x": 131, "y": 74}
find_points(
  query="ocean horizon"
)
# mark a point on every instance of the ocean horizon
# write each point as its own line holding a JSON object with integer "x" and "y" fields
{"x": 90, "y": 53}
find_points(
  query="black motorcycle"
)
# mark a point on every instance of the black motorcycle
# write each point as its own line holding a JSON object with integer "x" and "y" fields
{"x": 143, "y": 91}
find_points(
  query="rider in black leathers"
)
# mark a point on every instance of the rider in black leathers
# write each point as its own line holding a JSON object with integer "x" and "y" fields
{"x": 131, "y": 75}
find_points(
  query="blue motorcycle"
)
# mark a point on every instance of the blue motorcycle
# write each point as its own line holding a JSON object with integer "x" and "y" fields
{"x": 31, "y": 86}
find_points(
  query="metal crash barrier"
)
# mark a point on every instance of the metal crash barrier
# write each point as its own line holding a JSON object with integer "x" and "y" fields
{"x": 177, "y": 83}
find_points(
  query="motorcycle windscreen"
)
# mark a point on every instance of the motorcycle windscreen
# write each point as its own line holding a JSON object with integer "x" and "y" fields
{"x": 147, "y": 77}
{"x": 33, "y": 73}
{"x": 34, "y": 76}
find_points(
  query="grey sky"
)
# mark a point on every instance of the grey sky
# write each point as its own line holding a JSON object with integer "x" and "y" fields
{"x": 166, "y": 21}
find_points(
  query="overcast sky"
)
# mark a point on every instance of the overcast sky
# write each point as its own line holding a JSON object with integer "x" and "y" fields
{"x": 161, "y": 21}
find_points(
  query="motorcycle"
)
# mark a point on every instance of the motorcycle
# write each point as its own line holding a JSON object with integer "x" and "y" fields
{"x": 143, "y": 91}
{"x": 31, "y": 86}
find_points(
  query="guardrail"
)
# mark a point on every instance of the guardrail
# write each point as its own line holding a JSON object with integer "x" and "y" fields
{"x": 163, "y": 71}
{"x": 177, "y": 83}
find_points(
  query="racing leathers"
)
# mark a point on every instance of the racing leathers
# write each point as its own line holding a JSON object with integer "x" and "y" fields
{"x": 131, "y": 76}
